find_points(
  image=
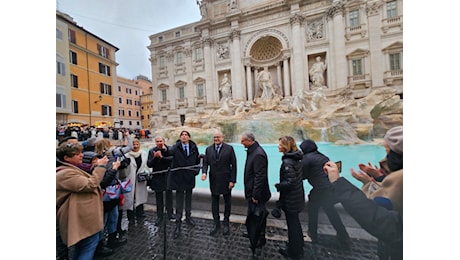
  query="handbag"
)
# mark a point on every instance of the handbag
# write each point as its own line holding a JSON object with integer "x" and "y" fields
{"x": 145, "y": 176}
{"x": 113, "y": 192}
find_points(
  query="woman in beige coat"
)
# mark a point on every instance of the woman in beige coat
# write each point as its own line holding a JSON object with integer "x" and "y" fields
{"x": 135, "y": 200}
{"x": 79, "y": 209}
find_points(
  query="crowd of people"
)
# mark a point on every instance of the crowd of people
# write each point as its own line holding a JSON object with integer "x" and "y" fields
{"x": 88, "y": 172}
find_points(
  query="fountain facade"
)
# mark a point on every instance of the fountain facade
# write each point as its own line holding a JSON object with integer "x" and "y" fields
{"x": 335, "y": 117}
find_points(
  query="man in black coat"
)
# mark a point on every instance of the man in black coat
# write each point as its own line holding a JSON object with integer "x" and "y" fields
{"x": 322, "y": 195}
{"x": 182, "y": 177}
{"x": 159, "y": 162}
{"x": 256, "y": 188}
{"x": 220, "y": 158}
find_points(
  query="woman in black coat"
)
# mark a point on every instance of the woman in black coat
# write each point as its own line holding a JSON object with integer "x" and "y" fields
{"x": 292, "y": 197}
{"x": 322, "y": 194}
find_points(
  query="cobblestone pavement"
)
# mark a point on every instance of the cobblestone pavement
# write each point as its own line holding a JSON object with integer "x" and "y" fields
{"x": 147, "y": 241}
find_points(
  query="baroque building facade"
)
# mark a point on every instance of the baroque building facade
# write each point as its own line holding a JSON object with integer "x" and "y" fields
{"x": 298, "y": 46}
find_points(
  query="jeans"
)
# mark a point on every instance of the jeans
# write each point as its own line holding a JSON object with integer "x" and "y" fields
{"x": 85, "y": 248}
{"x": 110, "y": 220}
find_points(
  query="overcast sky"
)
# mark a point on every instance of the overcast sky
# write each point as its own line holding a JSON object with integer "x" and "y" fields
{"x": 127, "y": 24}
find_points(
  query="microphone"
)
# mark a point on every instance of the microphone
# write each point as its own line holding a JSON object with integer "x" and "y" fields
{"x": 201, "y": 160}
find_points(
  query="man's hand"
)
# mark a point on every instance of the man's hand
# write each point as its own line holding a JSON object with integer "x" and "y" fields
{"x": 330, "y": 168}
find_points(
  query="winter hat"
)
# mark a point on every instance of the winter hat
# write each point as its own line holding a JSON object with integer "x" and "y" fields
{"x": 89, "y": 156}
{"x": 394, "y": 139}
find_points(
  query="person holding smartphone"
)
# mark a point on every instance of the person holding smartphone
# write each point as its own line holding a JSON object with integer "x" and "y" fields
{"x": 322, "y": 195}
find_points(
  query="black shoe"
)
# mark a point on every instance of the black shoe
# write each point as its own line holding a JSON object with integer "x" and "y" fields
{"x": 158, "y": 221}
{"x": 114, "y": 241}
{"x": 262, "y": 241}
{"x": 226, "y": 229}
{"x": 190, "y": 222}
{"x": 171, "y": 217}
{"x": 245, "y": 234}
{"x": 102, "y": 250}
{"x": 177, "y": 231}
{"x": 215, "y": 229}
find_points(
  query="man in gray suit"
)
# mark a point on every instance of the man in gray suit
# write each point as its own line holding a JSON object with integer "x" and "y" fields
{"x": 220, "y": 158}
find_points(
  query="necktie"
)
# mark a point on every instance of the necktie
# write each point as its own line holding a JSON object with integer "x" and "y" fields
{"x": 186, "y": 150}
{"x": 217, "y": 150}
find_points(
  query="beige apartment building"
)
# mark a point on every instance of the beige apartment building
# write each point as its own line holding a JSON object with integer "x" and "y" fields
{"x": 355, "y": 45}
{"x": 129, "y": 94}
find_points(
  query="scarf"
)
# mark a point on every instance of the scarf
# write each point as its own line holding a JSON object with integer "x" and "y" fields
{"x": 135, "y": 154}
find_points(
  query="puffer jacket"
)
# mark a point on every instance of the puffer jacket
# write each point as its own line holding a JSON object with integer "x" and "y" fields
{"x": 291, "y": 190}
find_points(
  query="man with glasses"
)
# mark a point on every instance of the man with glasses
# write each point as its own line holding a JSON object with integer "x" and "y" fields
{"x": 220, "y": 158}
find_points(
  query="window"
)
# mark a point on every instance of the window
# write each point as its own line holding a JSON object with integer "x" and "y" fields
{"x": 72, "y": 36}
{"x": 119, "y": 88}
{"x": 391, "y": 9}
{"x": 177, "y": 34}
{"x": 162, "y": 62}
{"x": 103, "y": 51}
{"x": 120, "y": 100}
{"x": 60, "y": 68}
{"x": 106, "y": 110}
{"x": 129, "y": 113}
{"x": 200, "y": 89}
{"x": 130, "y": 122}
{"x": 354, "y": 18}
{"x": 395, "y": 61}
{"x": 181, "y": 93}
{"x": 121, "y": 112}
{"x": 75, "y": 106}
{"x": 104, "y": 69}
{"x": 196, "y": 29}
{"x": 357, "y": 67}
{"x": 163, "y": 95}
{"x": 58, "y": 34}
{"x": 198, "y": 54}
{"x": 60, "y": 100}
{"x": 73, "y": 57}
{"x": 179, "y": 57}
{"x": 138, "y": 114}
{"x": 106, "y": 88}
{"x": 74, "y": 80}
{"x": 128, "y": 91}
{"x": 135, "y": 92}
{"x": 160, "y": 38}
{"x": 129, "y": 102}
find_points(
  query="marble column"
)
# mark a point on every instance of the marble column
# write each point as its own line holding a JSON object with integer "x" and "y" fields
{"x": 212, "y": 94}
{"x": 237, "y": 64}
{"x": 298, "y": 54}
{"x": 278, "y": 76}
{"x": 287, "y": 87}
{"x": 377, "y": 58}
{"x": 336, "y": 29}
{"x": 249, "y": 83}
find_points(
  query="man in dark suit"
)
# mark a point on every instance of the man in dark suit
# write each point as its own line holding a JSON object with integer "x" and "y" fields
{"x": 182, "y": 177}
{"x": 256, "y": 188}
{"x": 220, "y": 158}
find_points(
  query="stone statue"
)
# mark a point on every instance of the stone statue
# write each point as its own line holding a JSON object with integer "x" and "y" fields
{"x": 265, "y": 82}
{"x": 232, "y": 4}
{"x": 222, "y": 52}
{"x": 225, "y": 87}
{"x": 203, "y": 10}
{"x": 297, "y": 104}
{"x": 317, "y": 73}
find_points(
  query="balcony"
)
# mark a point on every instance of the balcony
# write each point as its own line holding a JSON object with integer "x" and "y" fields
{"x": 200, "y": 101}
{"x": 360, "y": 81}
{"x": 163, "y": 105}
{"x": 391, "y": 76}
{"x": 388, "y": 23}
{"x": 181, "y": 103}
{"x": 356, "y": 30}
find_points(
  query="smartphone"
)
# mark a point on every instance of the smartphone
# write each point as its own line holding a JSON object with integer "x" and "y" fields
{"x": 339, "y": 165}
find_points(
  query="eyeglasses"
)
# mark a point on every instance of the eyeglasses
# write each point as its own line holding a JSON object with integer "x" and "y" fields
{"x": 217, "y": 137}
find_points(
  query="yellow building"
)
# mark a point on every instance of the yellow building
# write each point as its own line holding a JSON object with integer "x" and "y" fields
{"x": 85, "y": 76}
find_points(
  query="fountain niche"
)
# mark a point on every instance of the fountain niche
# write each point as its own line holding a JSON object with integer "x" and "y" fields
{"x": 320, "y": 115}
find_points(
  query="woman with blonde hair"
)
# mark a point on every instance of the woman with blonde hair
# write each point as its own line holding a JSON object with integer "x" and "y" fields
{"x": 291, "y": 199}
{"x": 137, "y": 172}
{"x": 106, "y": 147}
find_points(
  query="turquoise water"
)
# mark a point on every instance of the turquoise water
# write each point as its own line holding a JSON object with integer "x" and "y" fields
{"x": 350, "y": 155}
